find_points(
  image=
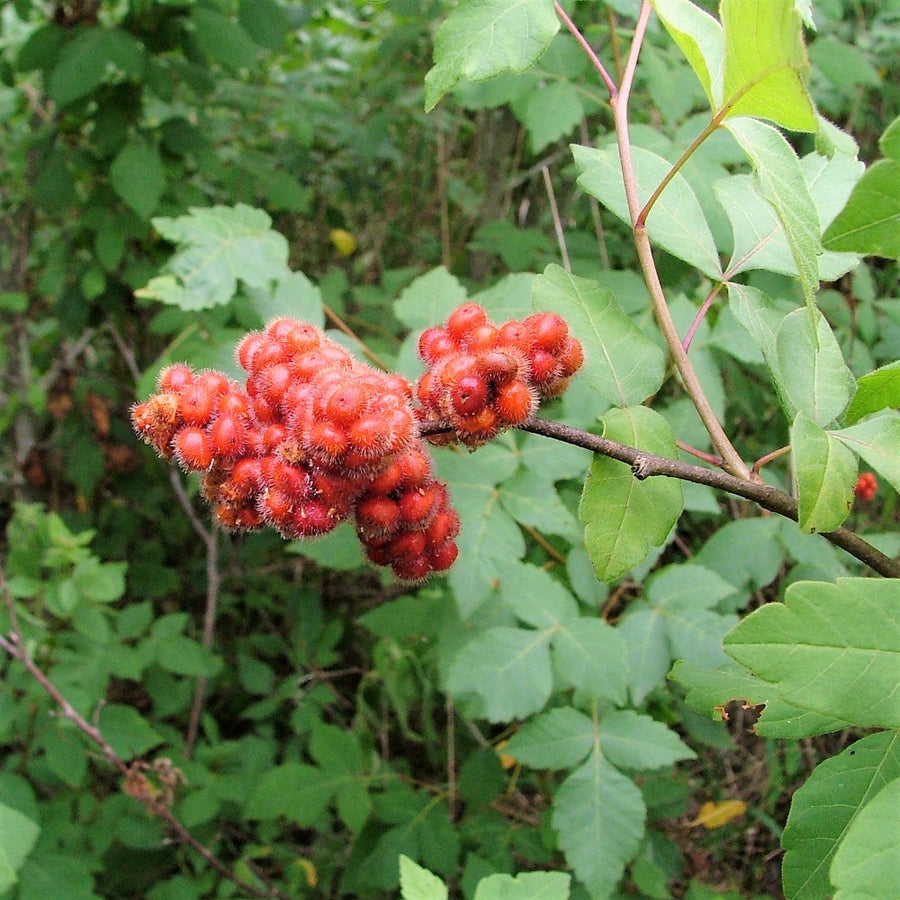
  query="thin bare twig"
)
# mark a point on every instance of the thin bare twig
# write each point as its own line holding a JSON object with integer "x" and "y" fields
{"x": 557, "y": 222}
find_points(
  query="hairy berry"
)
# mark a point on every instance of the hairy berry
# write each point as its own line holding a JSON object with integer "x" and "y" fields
{"x": 514, "y": 402}
{"x": 193, "y": 448}
{"x": 228, "y": 437}
{"x": 377, "y": 515}
{"x": 548, "y": 331}
{"x": 196, "y": 404}
{"x": 464, "y": 320}
{"x": 173, "y": 378}
{"x": 434, "y": 344}
{"x": 469, "y": 395}
{"x": 866, "y": 486}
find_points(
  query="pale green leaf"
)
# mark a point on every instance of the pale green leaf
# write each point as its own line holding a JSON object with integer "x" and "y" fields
{"x": 877, "y": 440}
{"x": 531, "y": 499}
{"x": 483, "y": 38}
{"x": 765, "y": 63}
{"x": 823, "y": 659}
{"x": 589, "y": 655}
{"x": 599, "y": 815}
{"x": 631, "y": 740}
{"x": 876, "y": 391}
{"x": 527, "y": 886}
{"x": 687, "y": 586}
{"x": 621, "y": 363}
{"x": 507, "y": 670}
{"x": 867, "y": 863}
{"x": 870, "y": 222}
{"x": 699, "y": 37}
{"x": 676, "y": 223}
{"x": 556, "y": 739}
{"x": 623, "y": 516}
{"x": 647, "y": 650}
{"x": 535, "y": 597}
{"x": 782, "y": 183}
{"x": 429, "y": 299}
{"x": 826, "y": 804}
{"x": 417, "y": 883}
{"x": 759, "y": 315}
{"x": 293, "y": 295}
{"x": 218, "y": 247}
{"x": 138, "y": 177}
{"x": 809, "y": 370}
{"x": 18, "y": 835}
{"x": 560, "y": 461}
{"x": 825, "y": 471}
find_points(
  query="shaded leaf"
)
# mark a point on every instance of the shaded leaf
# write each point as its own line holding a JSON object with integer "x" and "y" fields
{"x": 551, "y": 113}
{"x": 507, "y": 669}
{"x": 647, "y": 650}
{"x": 624, "y": 517}
{"x": 531, "y": 499}
{"x": 536, "y": 597}
{"x": 557, "y": 739}
{"x": 127, "y": 731}
{"x": 222, "y": 39}
{"x": 138, "y": 177}
{"x": 825, "y": 805}
{"x": 589, "y": 655}
{"x": 483, "y": 38}
{"x": 599, "y": 815}
{"x": 621, "y": 363}
{"x": 634, "y": 741}
{"x": 295, "y": 791}
{"x": 824, "y": 659}
{"x": 676, "y": 223}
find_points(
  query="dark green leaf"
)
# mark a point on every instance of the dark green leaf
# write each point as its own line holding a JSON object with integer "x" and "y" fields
{"x": 138, "y": 177}
{"x": 127, "y": 731}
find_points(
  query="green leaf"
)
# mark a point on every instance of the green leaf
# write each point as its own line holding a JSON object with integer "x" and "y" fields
{"x": 182, "y": 656}
{"x": 810, "y": 371}
{"x": 527, "y": 886}
{"x": 417, "y": 883}
{"x": 557, "y": 739}
{"x": 222, "y": 39}
{"x": 867, "y": 863}
{"x": 821, "y": 657}
{"x": 889, "y": 142}
{"x": 265, "y": 21}
{"x": 484, "y": 38}
{"x": 876, "y": 440}
{"x": 676, "y": 223}
{"x": 599, "y": 815}
{"x": 299, "y": 792}
{"x": 870, "y": 222}
{"x": 339, "y": 550}
{"x": 218, "y": 247}
{"x": 825, "y": 471}
{"x": 843, "y": 64}
{"x": 507, "y": 669}
{"x": 621, "y": 363}
{"x": 535, "y": 597}
{"x": 876, "y": 391}
{"x": 589, "y": 655}
{"x": 647, "y": 650}
{"x": 782, "y": 183}
{"x": 429, "y": 299}
{"x": 623, "y": 516}
{"x": 99, "y": 582}
{"x": 18, "y": 835}
{"x": 699, "y": 37}
{"x": 765, "y": 63}
{"x": 138, "y": 177}
{"x": 96, "y": 55}
{"x": 634, "y": 741}
{"x": 293, "y": 294}
{"x": 531, "y": 499}
{"x": 127, "y": 731}
{"x": 551, "y": 113}
{"x": 825, "y": 806}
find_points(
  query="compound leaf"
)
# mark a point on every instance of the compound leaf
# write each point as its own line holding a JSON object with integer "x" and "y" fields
{"x": 589, "y": 655}
{"x": 599, "y": 815}
{"x": 634, "y": 741}
{"x": 484, "y": 38}
{"x": 556, "y": 739}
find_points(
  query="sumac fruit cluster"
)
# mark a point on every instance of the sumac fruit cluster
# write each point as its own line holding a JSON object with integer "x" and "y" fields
{"x": 313, "y": 437}
{"x": 483, "y": 378}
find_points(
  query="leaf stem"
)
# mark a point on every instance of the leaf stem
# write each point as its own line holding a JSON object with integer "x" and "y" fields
{"x": 701, "y": 314}
{"x": 731, "y": 459}
{"x": 582, "y": 40}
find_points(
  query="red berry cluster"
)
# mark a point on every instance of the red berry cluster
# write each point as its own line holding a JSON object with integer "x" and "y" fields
{"x": 313, "y": 438}
{"x": 866, "y": 486}
{"x": 483, "y": 378}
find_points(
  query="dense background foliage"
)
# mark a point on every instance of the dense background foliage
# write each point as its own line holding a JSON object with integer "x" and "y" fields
{"x": 305, "y": 717}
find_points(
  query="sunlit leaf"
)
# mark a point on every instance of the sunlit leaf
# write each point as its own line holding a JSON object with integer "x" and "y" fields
{"x": 417, "y": 883}
{"x": 876, "y": 391}
{"x": 823, "y": 658}
{"x": 483, "y": 38}
{"x": 876, "y": 440}
{"x": 526, "y": 886}
{"x": 429, "y": 299}
{"x": 676, "y": 223}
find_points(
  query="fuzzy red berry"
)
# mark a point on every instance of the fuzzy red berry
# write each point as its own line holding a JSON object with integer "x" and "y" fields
{"x": 548, "y": 331}
{"x": 464, "y": 319}
{"x": 514, "y": 402}
{"x": 174, "y": 378}
{"x": 866, "y": 486}
{"x": 434, "y": 344}
{"x": 443, "y": 556}
{"x": 193, "y": 448}
{"x": 228, "y": 437}
{"x": 196, "y": 404}
{"x": 469, "y": 395}
{"x": 418, "y": 504}
{"x": 377, "y": 515}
